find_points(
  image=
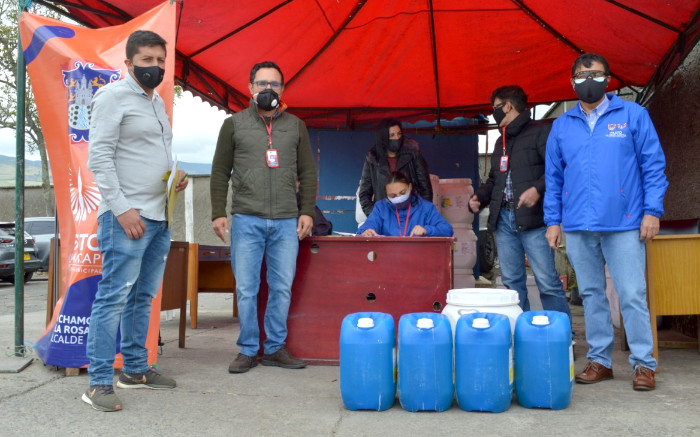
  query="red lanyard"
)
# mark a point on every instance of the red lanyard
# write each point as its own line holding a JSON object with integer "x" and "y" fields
{"x": 405, "y": 227}
{"x": 269, "y": 130}
{"x": 502, "y": 136}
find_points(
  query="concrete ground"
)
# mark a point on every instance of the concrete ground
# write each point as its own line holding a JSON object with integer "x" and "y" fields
{"x": 42, "y": 401}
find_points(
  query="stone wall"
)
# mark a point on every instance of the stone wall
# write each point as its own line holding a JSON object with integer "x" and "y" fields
{"x": 674, "y": 110}
{"x": 34, "y": 204}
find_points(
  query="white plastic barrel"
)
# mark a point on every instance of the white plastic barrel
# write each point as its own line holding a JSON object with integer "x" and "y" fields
{"x": 463, "y": 278}
{"x": 435, "y": 184}
{"x": 454, "y": 200}
{"x": 464, "y": 246}
{"x": 483, "y": 300}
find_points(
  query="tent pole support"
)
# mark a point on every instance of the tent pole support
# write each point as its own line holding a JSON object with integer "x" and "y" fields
{"x": 19, "y": 200}
{"x": 438, "y": 110}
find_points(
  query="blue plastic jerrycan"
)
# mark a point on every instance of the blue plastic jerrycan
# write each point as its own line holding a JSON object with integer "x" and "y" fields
{"x": 368, "y": 361}
{"x": 484, "y": 362}
{"x": 425, "y": 362}
{"x": 544, "y": 360}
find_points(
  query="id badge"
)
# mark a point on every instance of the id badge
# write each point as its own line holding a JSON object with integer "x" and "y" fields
{"x": 272, "y": 161}
{"x": 504, "y": 164}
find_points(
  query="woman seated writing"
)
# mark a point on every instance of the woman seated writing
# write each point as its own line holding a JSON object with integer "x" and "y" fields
{"x": 404, "y": 213}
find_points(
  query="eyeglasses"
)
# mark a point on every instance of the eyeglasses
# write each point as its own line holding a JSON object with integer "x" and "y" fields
{"x": 500, "y": 105}
{"x": 266, "y": 83}
{"x": 596, "y": 75}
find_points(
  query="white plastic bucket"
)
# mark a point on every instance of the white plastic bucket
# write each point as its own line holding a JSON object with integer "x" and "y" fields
{"x": 454, "y": 200}
{"x": 484, "y": 300}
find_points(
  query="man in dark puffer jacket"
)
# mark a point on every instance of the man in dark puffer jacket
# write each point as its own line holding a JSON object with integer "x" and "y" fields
{"x": 514, "y": 192}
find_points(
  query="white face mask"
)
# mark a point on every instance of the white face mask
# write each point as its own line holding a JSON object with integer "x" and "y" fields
{"x": 400, "y": 199}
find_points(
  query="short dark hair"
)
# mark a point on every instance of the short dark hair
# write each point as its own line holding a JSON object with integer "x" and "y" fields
{"x": 397, "y": 176}
{"x": 266, "y": 64}
{"x": 142, "y": 38}
{"x": 587, "y": 59}
{"x": 512, "y": 93}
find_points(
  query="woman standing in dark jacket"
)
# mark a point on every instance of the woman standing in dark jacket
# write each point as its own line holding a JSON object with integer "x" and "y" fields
{"x": 390, "y": 153}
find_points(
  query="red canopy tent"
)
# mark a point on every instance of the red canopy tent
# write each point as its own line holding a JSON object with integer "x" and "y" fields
{"x": 348, "y": 63}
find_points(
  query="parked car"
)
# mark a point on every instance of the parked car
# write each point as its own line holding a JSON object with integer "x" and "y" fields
{"x": 7, "y": 254}
{"x": 42, "y": 229}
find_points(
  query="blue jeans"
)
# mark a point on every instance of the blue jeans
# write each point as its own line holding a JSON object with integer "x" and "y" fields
{"x": 276, "y": 239}
{"x": 132, "y": 271}
{"x": 626, "y": 259}
{"x": 512, "y": 247}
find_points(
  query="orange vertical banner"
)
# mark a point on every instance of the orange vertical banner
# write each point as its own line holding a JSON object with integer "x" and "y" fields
{"x": 67, "y": 64}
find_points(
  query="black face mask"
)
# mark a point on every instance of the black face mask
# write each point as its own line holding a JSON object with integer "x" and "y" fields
{"x": 150, "y": 77}
{"x": 394, "y": 145}
{"x": 268, "y": 99}
{"x": 499, "y": 115}
{"x": 590, "y": 91}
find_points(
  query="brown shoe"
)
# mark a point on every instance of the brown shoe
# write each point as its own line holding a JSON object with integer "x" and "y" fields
{"x": 242, "y": 364}
{"x": 283, "y": 358}
{"x": 594, "y": 372}
{"x": 643, "y": 379}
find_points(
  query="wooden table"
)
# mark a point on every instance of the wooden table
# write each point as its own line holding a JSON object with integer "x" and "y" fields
{"x": 209, "y": 269}
{"x": 673, "y": 280}
{"x": 174, "y": 295}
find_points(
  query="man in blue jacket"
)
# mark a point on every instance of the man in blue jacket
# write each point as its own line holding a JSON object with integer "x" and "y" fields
{"x": 605, "y": 186}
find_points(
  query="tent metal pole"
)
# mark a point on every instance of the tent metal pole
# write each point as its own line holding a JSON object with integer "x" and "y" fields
{"x": 19, "y": 201}
{"x": 436, "y": 70}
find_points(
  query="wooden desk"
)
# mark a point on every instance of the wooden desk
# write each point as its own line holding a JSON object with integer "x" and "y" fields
{"x": 54, "y": 286}
{"x": 337, "y": 276}
{"x": 175, "y": 285}
{"x": 673, "y": 279}
{"x": 209, "y": 270}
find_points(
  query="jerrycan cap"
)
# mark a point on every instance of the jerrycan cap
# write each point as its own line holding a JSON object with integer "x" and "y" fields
{"x": 481, "y": 323}
{"x": 540, "y": 320}
{"x": 425, "y": 323}
{"x": 365, "y": 322}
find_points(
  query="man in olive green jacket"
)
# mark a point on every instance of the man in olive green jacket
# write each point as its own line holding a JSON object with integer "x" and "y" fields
{"x": 264, "y": 150}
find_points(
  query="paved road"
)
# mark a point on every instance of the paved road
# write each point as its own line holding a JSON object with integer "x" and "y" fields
{"x": 34, "y": 295}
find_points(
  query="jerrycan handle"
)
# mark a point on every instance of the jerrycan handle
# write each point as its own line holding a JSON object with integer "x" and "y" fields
{"x": 463, "y": 311}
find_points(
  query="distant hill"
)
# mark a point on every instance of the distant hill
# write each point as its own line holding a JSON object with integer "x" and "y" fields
{"x": 32, "y": 171}
{"x": 8, "y": 171}
{"x": 194, "y": 167}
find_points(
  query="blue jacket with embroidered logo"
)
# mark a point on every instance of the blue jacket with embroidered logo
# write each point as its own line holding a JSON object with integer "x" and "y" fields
{"x": 607, "y": 179}
{"x": 383, "y": 219}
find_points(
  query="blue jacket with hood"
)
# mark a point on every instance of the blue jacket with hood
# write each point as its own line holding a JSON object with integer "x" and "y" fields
{"x": 383, "y": 219}
{"x": 607, "y": 179}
